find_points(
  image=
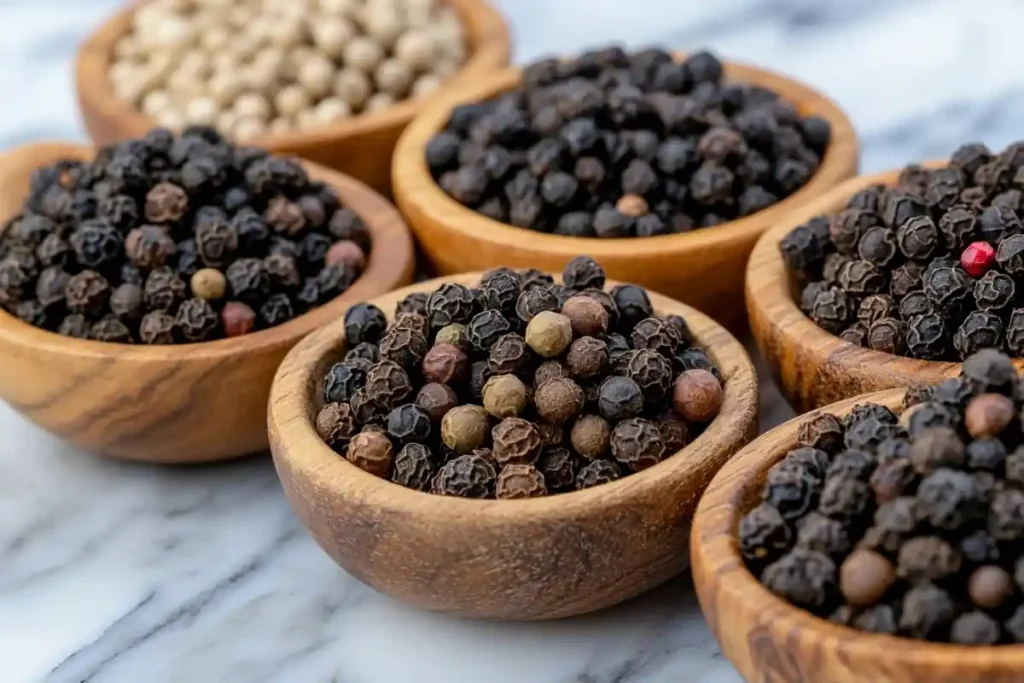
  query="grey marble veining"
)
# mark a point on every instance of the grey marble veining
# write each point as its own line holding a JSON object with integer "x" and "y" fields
{"x": 113, "y": 572}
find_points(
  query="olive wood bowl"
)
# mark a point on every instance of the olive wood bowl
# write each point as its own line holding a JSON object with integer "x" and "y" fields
{"x": 360, "y": 146}
{"x": 182, "y": 403}
{"x": 771, "y": 640}
{"x": 701, "y": 268}
{"x": 814, "y": 367}
{"x": 543, "y": 558}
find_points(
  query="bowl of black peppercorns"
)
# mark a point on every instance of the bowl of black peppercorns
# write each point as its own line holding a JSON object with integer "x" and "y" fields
{"x": 510, "y": 445}
{"x": 893, "y": 279}
{"x": 664, "y": 167}
{"x": 876, "y": 539}
{"x": 148, "y": 290}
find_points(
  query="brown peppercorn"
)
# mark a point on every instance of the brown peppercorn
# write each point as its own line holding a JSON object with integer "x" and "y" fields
{"x": 504, "y": 396}
{"x": 445, "y": 364}
{"x": 988, "y": 415}
{"x": 637, "y": 444}
{"x": 697, "y": 396}
{"x": 195, "y": 320}
{"x": 336, "y": 424}
{"x": 347, "y": 253}
{"x": 549, "y": 334}
{"x": 632, "y": 205}
{"x": 590, "y": 436}
{"x": 865, "y": 576}
{"x": 126, "y": 302}
{"x": 164, "y": 289}
{"x": 166, "y": 203}
{"x": 675, "y": 433}
{"x": 285, "y": 216}
{"x": 549, "y": 369}
{"x": 149, "y": 247}
{"x": 586, "y": 316}
{"x": 437, "y": 400}
{"x": 989, "y": 586}
{"x": 237, "y": 319}
{"x": 587, "y": 357}
{"x": 370, "y": 450}
{"x": 520, "y": 481}
{"x": 454, "y": 334}
{"x": 87, "y": 292}
{"x": 464, "y": 428}
{"x": 516, "y": 441}
{"x": 208, "y": 283}
{"x": 388, "y": 384}
{"x": 412, "y": 321}
{"x": 110, "y": 329}
{"x": 157, "y": 327}
{"x": 558, "y": 400}
{"x": 551, "y": 434}
{"x": 405, "y": 347}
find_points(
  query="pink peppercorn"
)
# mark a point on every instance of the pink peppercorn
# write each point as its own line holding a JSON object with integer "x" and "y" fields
{"x": 238, "y": 319}
{"x": 977, "y": 258}
{"x": 346, "y": 252}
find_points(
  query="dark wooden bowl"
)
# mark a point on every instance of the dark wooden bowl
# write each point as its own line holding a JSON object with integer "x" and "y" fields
{"x": 812, "y": 366}
{"x": 360, "y": 147}
{"x": 176, "y": 403}
{"x": 772, "y": 641}
{"x": 533, "y": 559}
{"x": 701, "y": 268}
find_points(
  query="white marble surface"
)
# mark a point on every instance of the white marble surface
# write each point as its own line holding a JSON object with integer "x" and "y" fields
{"x": 114, "y": 573}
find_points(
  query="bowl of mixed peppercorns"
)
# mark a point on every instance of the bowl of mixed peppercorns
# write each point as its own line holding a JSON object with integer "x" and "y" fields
{"x": 877, "y": 539}
{"x": 892, "y": 279}
{"x": 510, "y": 445}
{"x": 664, "y": 167}
{"x": 148, "y": 290}
{"x": 333, "y": 81}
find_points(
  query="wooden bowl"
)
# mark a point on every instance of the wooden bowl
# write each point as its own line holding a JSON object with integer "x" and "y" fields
{"x": 700, "y": 268}
{"x": 360, "y": 147}
{"x": 544, "y": 558}
{"x": 770, "y": 640}
{"x": 181, "y": 403}
{"x": 812, "y": 366}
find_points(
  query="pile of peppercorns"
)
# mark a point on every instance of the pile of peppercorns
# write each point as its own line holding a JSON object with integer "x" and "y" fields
{"x": 911, "y": 526}
{"x": 518, "y": 388}
{"x": 932, "y": 268}
{"x": 170, "y": 239}
{"x": 611, "y": 144}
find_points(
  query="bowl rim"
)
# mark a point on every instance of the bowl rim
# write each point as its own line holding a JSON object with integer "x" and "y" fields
{"x": 393, "y": 264}
{"x": 415, "y": 190}
{"x": 714, "y": 549}
{"x": 291, "y": 409}
{"x": 767, "y": 286}
{"x": 487, "y": 34}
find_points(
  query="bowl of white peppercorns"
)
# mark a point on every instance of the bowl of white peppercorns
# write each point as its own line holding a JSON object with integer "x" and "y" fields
{"x": 333, "y": 81}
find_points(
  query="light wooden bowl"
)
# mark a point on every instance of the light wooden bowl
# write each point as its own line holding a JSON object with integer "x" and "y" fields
{"x": 701, "y": 268}
{"x": 179, "y": 403}
{"x": 812, "y": 366}
{"x": 544, "y": 558}
{"x": 360, "y": 147}
{"x": 770, "y": 640}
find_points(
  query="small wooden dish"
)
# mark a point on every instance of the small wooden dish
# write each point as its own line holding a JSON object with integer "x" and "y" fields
{"x": 813, "y": 367}
{"x": 544, "y": 558}
{"x": 700, "y": 268}
{"x": 770, "y": 640}
{"x": 182, "y": 403}
{"x": 360, "y": 147}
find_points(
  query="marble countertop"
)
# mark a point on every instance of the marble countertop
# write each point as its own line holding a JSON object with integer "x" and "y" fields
{"x": 113, "y": 572}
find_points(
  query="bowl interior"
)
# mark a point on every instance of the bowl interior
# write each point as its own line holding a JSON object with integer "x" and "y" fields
{"x": 309, "y": 361}
{"x": 386, "y": 266}
{"x": 486, "y": 34}
{"x": 414, "y": 184}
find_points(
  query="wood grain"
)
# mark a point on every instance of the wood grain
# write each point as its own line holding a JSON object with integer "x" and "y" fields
{"x": 700, "y": 268}
{"x": 770, "y": 640}
{"x": 513, "y": 559}
{"x": 360, "y": 147}
{"x": 180, "y": 403}
{"x": 815, "y": 368}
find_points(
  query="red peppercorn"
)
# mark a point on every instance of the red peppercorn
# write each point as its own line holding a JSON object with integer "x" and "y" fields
{"x": 977, "y": 258}
{"x": 237, "y": 318}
